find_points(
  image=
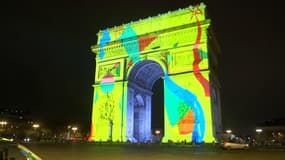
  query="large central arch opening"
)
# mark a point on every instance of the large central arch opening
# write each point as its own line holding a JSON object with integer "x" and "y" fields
{"x": 145, "y": 102}
{"x": 157, "y": 110}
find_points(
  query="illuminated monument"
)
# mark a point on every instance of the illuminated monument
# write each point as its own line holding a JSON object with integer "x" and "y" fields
{"x": 178, "y": 48}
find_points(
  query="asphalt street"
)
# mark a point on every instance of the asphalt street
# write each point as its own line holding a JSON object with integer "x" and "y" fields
{"x": 91, "y": 151}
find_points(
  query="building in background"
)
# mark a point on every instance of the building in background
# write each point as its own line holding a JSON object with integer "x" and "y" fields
{"x": 17, "y": 124}
{"x": 271, "y": 132}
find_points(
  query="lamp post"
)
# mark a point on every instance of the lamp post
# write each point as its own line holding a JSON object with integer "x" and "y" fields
{"x": 74, "y": 130}
{"x": 228, "y": 131}
{"x": 68, "y": 136}
{"x": 157, "y": 132}
{"x": 258, "y": 130}
{"x": 228, "y": 135}
{"x": 157, "y": 135}
{"x": 3, "y": 124}
{"x": 258, "y": 136}
{"x": 36, "y": 126}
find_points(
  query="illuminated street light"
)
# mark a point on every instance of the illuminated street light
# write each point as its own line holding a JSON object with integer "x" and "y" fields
{"x": 157, "y": 132}
{"x": 3, "y": 123}
{"x": 258, "y": 130}
{"x": 74, "y": 129}
{"x": 36, "y": 131}
{"x": 36, "y": 125}
{"x": 229, "y": 131}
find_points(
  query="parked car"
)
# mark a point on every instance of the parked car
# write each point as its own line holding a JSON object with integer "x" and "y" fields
{"x": 234, "y": 145}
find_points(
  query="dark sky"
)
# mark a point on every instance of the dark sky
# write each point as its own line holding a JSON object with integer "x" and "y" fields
{"x": 46, "y": 64}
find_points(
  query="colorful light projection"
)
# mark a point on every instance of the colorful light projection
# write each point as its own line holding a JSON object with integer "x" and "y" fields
{"x": 177, "y": 42}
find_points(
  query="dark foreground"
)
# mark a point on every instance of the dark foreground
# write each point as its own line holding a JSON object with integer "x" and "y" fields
{"x": 91, "y": 151}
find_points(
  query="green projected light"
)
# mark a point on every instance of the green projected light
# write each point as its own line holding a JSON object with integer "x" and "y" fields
{"x": 132, "y": 57}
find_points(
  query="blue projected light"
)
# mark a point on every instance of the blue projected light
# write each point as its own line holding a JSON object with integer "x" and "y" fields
{"x": 132, "y": 50}
{"x": 105, "y": 39}
{"x": 190, "y": 99}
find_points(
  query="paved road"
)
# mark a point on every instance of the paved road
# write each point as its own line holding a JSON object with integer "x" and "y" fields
{"x": 77, "y": 151}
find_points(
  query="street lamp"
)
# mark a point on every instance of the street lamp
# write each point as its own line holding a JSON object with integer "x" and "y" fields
{"x": 35, "y": 126}
{"x": 3, "y": 123}
{"x": 74, "y": 129}
{"x": 157, "y": 132}
{"x": 259, "y": 137}
{"x": 229, "y": 131}
{"x": 258, "y": 130}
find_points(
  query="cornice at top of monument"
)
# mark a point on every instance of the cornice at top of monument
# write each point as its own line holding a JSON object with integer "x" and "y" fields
{"x": 166, "y": 34}
{"x": 160, "y": 22}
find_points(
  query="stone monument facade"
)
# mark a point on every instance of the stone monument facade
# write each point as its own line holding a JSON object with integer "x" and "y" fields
{"x": 177, "y": 47}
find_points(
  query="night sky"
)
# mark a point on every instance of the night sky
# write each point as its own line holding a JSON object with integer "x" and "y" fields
{"x": 46, "y": 64}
